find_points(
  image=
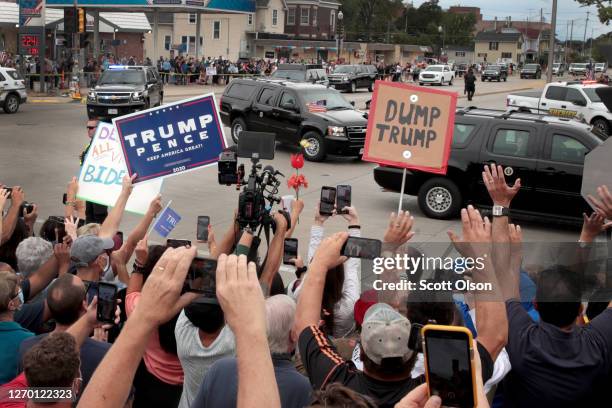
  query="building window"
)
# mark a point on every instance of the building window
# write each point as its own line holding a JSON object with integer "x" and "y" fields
{"x": 250, "y": 19}
{"x": 332, "y": 20}
{"x": 167, "y": 42}
{"x": 291, "y": 16}
{"x": 304, "y": 16}
{"x": 216, "y": 30}
{"x": 493, "y": 46}
{"x": 459, "y": 53}
{"x": 188, "y": 43}
{"x": 274, "y": 17}
{"x": 506, "y": 55}
{"x": 192, "y": 18}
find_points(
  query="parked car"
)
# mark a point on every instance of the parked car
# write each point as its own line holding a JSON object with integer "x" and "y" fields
{"x": 353, "y": 77}
{"x": 436, "y": 74}
{"x": 546, "y": 153}
{"x": 565, "y": 99}
{"x": 125, "y": 89}
{"x": 295, "y": 112}
{"x": 12, "y": 90}
{"x": 558, "y": 69}
{"x": 601, "y": 67}
{"x": 577, "y": 69}
{"x": 495, "y": 72}
{"x": 531, "y": 71}
{"x": 313, "y": 73}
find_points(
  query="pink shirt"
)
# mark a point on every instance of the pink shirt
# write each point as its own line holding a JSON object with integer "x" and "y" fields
{"x": 165, "y": 366}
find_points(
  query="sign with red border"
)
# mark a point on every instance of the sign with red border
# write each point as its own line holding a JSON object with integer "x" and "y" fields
{"x": 410, "y": 127}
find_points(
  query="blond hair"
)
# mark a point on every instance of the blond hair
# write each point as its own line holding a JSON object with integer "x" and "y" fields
{"x": 8, "y": 283}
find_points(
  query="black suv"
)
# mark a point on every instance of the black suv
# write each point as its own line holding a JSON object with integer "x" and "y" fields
{"x": 531, "y": 71}
{"x": 125, "y": 89}
{"x": 295, "y": 111}
{"x": 495, "y": 72}
{"x": 546, "y": 153}
{"x": 313, "y": 73}
{"x": 352, "y": 77}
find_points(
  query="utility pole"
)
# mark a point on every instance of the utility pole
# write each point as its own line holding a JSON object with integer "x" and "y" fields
{"x": 591, "y": 49}
{"x": 571, "y": 43}
{"x": 551, "y": 46}
{"x": 586, "y": 24}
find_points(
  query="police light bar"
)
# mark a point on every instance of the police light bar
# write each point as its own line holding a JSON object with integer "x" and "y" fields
{"x": 117, "y": 67}
{"x": 589, "y": 82}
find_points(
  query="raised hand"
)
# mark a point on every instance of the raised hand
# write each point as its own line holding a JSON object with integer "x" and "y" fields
{"x": 593, "y": 225}
{"x": 603, "y": 204}
{"x": 476, "y": 233}
{"x": 350, "y": 214}
{"x": 495, "y": 181}
{"x": 155, "y": 206}
{"x": 71, "y": 225}
{"x": 399, "y": 230}
{"x": 17, "y": 196}
{"x": 3, "y": 197}
{"x": 318, "y": 218}
{"x": 142, "y": 250}
{"x": 328, "y": 253}
{"x": 127, "y": 183}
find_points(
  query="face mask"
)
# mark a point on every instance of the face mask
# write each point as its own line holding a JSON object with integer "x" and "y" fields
{"x": 107, "y": 267}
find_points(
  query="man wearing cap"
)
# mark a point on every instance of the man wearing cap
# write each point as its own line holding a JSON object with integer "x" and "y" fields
{"x": 385, "y": 334}
{"x": 91, "y": 257}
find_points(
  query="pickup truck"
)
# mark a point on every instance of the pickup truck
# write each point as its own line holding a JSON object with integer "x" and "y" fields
{"x": 577, "y": 69}
{"x": 437, "y": 74}
{"x": 565, "y": 99}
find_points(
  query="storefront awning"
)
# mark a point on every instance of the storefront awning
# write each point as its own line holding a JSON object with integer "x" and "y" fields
{"x": 305, "y": 44}
{"x": 381, "y": 47}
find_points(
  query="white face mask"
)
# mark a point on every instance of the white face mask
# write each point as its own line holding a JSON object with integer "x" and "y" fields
{"x": 108, "y": 265}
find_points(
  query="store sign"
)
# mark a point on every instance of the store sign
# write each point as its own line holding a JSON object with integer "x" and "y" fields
{"x": 29, "y": 44}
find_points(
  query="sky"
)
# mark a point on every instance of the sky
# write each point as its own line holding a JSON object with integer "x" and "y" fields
{"x": 530, "y": 9}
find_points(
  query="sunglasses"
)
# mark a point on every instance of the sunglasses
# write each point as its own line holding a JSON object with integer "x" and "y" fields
{"x": 91, "y": 127}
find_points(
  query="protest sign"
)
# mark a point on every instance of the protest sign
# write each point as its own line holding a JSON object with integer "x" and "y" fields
{"x": 103, "y": 169}
{"x": 166, "y": 221}
{"x": 211, "y": 71}
{"x": 410, "y": 127}
{"x": 172, "y": 139}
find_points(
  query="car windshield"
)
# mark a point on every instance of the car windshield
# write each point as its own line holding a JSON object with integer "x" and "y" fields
{"x": 111, "y": 77}
{"x": 494, "y": 67}
{"x": 592, "y": 95}
{"x": 343, "y": 69}
{"x": 556, "y": 65}
{"x": 291, "y": 74}
{"x": 531, "y": 66}
{"x": 579, "y": 65}
{"x": 434, "y": 68}
{"x": 329, "y": 98}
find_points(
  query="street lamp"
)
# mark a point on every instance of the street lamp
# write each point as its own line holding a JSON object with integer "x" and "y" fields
{"x": 339, "y": 33}
{"x": 441, "y": 31}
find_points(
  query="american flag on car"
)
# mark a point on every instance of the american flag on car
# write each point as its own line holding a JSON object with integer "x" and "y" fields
{"x": 314, "y": 107}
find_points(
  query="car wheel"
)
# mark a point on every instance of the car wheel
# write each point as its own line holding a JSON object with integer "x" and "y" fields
{"x": 602, "y": 124}
{"x": 450, "y": 83}
{"x": 353, "y": 87}
{"x": 420, "y": 83}
{"x": 316, "y": 146}
{"x": 238, "y": 125}
{"x": 505, "y": 79}
{"x": 11, "y": 104}
{"x": 439, "y": 198}
{"x": 483, "y": 79}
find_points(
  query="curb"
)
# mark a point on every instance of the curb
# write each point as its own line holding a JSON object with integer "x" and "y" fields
{"x": 55, "y": 100}
{"x": 496, "y": 92}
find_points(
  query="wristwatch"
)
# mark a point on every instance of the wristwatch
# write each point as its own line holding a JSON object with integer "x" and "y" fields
{"x": 499, "y": 211}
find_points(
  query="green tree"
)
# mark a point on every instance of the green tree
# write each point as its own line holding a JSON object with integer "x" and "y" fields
{"x": 604, "y": 11}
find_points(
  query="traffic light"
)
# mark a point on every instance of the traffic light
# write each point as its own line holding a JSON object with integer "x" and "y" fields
{"x": 85, "y": 39}
{"x": 82, "y": 20}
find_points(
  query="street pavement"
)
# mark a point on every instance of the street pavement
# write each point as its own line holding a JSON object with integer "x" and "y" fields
{"x": 42, "y": 142}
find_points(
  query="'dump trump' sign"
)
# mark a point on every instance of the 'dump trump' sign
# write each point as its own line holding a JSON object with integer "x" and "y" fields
{"x": 172, "y": 139}
{"x": 410, "y": 127}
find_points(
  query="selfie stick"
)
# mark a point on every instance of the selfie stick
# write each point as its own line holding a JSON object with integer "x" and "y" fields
{"x": 399, "y": 208}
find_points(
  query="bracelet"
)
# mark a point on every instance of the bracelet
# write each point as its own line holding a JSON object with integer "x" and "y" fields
{"x": 355, "y": 226}
{"x": 137, "y": 268}
{"x": 300, "y": 271}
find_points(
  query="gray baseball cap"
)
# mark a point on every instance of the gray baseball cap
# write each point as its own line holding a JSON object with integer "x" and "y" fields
{"x": 385, "y": 334}
{"x": 86, "y": 248}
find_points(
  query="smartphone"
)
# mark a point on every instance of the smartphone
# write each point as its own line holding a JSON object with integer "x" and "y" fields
{"x": 449, "y": 366}
{"x": 118, "y": 239}
{"x": 290, "y": 250}
{"x": 9, "y": 191}
{"x": 107, "y": 302}
{"x": 56, "y": 219}
{"x": 365, "y": 248}
{"x": 64, "y": 198}
{"x": 177, "y": 243}
{"x": 201, "y": 277}
{"x": 343, "y": 198}
{"x": 328, "y": 200}
{"x": 202, "y": 231}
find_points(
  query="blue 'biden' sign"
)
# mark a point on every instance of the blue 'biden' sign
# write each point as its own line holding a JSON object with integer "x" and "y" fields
{"x": 171, "y": 139}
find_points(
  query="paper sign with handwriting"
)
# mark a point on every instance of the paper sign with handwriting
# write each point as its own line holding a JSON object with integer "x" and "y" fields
{"x": 410, "y": 127}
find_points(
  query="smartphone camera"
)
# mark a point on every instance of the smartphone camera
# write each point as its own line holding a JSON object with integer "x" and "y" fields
{"x": 343, "y": 198}
{"x": 202, "y": 230}
{"x": 328, "y": 200}
{"x": 177, "y": 243}
{"x": 107, "y": 302}
{"x": 290, "y": 250}
{"x": 9, "y": 191}
{"x": 364, "y": 248}
{"x": 27, "y": 207}
{"x": 201, "y": 277}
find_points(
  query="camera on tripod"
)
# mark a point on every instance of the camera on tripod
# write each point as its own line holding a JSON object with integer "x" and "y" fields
{"x": 260, "y": 190}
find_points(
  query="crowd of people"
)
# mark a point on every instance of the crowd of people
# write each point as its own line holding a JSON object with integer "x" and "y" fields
{"x": 255, "y": 340}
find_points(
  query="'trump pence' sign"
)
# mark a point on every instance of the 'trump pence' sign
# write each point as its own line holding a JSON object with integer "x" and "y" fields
{"x": 410, "y": 127}
{"x": 172, "y": 139}
{"x": 103, "y": 170}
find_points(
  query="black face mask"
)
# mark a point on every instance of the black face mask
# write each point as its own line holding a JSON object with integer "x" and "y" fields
{"x": 207, "y": 317}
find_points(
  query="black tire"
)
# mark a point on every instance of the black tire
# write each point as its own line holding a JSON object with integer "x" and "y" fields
{"x": 505, "y": 79}
{"x": 238, "y": 125}
{"x": 450, "y": 83}
{"x": 498, "y": 79}
{"x": 484, "y": 79}
{"x": 440, "y": 198}
{"x": 316, "y": 152}
{"x": 420, "y": 83}
{"x": 602, "y": 124}
{"x": 353, "y": 87}
{"x": 11, "y": 103}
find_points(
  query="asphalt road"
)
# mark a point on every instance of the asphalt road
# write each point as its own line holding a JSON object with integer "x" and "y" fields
{"x": 42, "y": 142}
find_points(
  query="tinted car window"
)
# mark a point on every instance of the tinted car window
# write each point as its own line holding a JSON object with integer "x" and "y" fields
{"x": 288, "y": 98}
{"x": 461, "y": 134}
{"x": 574, "y": 95}
{"x": 511, "y": 142}
{"x": 567, "y": 149}
{"x": 266, "y": 96}
{"x": 2, "y": 78}
{"x": 241, "y": 91}
{"x": 556, "y": 93}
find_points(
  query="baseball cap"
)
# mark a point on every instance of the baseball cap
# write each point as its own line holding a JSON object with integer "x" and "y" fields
{"x": 86, "y": 248}
{"x": 385, "y": 334}
{"x": 365, "y": 301}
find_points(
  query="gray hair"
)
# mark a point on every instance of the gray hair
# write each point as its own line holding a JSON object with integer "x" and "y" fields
{"x": 32, "y": 253}
{"x": 280, "y": 315}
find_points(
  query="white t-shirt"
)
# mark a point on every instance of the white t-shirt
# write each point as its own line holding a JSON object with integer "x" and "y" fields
{"x": 197, "y": 359}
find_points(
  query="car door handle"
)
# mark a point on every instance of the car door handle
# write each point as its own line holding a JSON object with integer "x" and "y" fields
{"x": 564, "y": 106}
{"x": 543, "y": 103}
{"x": 551, "y": 171}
